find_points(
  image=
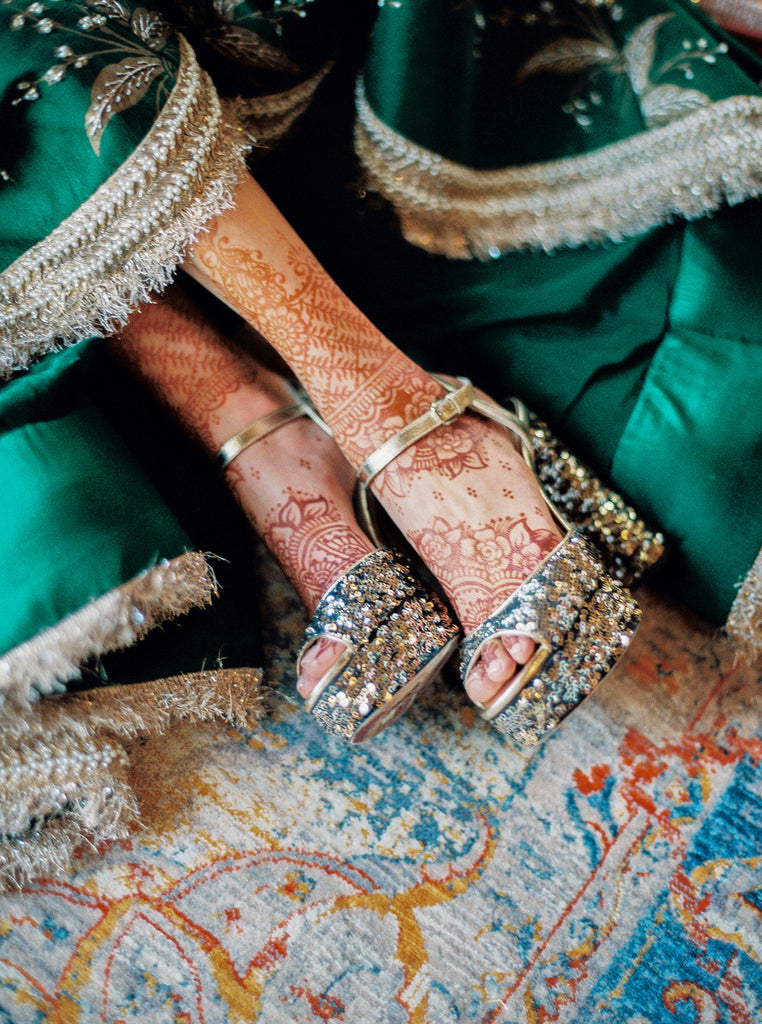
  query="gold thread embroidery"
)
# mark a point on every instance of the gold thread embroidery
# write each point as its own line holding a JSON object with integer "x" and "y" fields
{"x": 267, "y": 119}
{"x": 125, "y": 241}
{"x": 686, "y": 168}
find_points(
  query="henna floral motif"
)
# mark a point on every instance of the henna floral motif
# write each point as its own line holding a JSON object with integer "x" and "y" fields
{"x": 312, "y": 543}
{"x": 446, "y": 454}
{"x": 480, "y": 568}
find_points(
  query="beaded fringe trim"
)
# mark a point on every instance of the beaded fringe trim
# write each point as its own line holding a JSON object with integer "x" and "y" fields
{"x": 266, "y": 120}
{"x": 64, "y": 769}
{"x": 117, "y": 619}
{"x": 125, "y": 241}
{"x": 744, "y": 625}
{"x": 686, "y": 168}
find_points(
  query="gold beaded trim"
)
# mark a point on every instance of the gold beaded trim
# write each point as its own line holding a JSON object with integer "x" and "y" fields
{"x": 64, "y": 763}
{"x": 686, "y": 168}
{"x": 125, "y": 241}
{"x": 744, "y": 625}
{"x": 267, "y": 119}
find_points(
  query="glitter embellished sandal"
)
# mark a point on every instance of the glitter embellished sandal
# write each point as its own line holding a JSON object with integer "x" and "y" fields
{"x": 628, "y": 547}
{"x": 580, "y": 618}
{"x": 396, "y": 635}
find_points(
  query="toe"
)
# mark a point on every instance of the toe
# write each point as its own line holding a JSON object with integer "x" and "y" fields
{"x": 314, "y": 664}
{"x": 490, "y": 674}
{"x": 520, "y": 648}
{"x": 479, "y": 686}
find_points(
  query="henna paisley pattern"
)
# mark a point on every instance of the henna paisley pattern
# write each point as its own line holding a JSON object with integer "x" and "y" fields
{"x": 185, "y": 361}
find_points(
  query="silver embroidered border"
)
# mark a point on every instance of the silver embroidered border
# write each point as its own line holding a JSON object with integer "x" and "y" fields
{"x": 112, "y": 621}
{"x": 65, "y": 769}
{"x": 267, "y": 119}
{"x": 687, "y": 168}
{"x": 744, "y": 625}
{"x": 125, "y": 241}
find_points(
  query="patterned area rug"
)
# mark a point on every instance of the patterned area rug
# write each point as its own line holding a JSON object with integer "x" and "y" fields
{"x": 435, "y": 875}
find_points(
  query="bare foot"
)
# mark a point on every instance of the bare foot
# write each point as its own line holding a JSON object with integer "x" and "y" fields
{"x": 296, "y": 489}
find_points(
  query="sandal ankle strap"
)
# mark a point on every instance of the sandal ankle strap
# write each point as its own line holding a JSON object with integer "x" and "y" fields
{"x": 445, "y": 410}
{"x": 263, "y": 426}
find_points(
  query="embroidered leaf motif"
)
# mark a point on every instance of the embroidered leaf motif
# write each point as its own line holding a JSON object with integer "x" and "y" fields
{"x": 226, "y": 8}
{"x": 666, "y": 103}
{"x": 640, "y": 51}
{"x": 112, "y": 9}
{"x": 243, "y": 45}
{"x": 118, "y": 87}
{"x": 567, "y": 56}
{"x": 150, "y": 27}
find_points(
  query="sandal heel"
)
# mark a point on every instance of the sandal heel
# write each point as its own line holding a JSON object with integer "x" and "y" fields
{"x": 627, "y": 546}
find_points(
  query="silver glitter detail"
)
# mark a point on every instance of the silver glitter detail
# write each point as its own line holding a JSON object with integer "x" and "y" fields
{"x": 586, "y": 619}
{"x": 687, "y": 168}
{"x": 124, "y": 242}
{"x": 393, "y": 629}
{"x": 627, "y": 546}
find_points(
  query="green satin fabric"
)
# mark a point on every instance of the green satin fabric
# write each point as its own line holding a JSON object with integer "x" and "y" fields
{"x": 50, "y": 164}
{"x": 80, "y": 516}
{"x": 645, "y": 355}
{"x": 455, "y": 78}
{"x": 98, "y": 486}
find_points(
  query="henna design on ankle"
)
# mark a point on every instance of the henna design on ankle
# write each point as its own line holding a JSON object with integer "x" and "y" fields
{"x": 328, "y": 342}
{"x": 173, "y": 350}
{"x": 481, "y": 568}
{"x": 312, "y": 543}
{"x": 302, "y": 313}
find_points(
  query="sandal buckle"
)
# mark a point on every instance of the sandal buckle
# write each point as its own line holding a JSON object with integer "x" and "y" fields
{"x": 446, "y": 409}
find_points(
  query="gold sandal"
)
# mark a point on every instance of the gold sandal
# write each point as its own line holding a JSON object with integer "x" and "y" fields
{"x": 580, "y": 618}
{"x": 396, "y": 635}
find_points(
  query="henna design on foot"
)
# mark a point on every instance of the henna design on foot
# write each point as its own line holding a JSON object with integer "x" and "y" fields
{"x": 480, "y": 568}
{"x": 312, "y": 542}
